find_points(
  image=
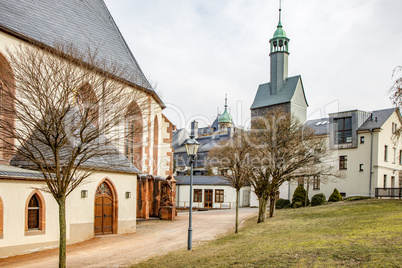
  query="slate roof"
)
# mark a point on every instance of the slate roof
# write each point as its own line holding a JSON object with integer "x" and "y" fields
{"x": 320, "y": 126}
{"x": 201, "y": 180}
{"x": 264, "y": 98}
{"x": 10, "y": 172}
{"x": 377, "y": 119}
{"x": 106, "y": 156}
{"x": 84, "y": 23}
{"x": 206, "y": 143}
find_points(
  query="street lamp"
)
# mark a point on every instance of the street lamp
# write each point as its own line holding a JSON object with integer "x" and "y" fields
{"x": 192, "y": 148}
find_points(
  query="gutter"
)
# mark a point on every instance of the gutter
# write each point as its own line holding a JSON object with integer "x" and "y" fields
{"x": 371, "y": 160}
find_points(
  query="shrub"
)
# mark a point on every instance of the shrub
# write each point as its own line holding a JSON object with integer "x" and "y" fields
{"x": 335, "y": 196}
{"x": 318, "y": 200}
{"x": 355, "y": 198}
{"x": 297, "y": 204}
{"x": 300, "y": 195}
{"x": 282, "y": 203}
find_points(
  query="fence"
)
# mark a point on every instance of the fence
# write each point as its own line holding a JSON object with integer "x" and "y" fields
{"x": 388, "y": 192}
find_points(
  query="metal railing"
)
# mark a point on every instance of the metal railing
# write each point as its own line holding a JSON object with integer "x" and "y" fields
{"x": 388, "y": 192}
{"x": 186, "y": 204}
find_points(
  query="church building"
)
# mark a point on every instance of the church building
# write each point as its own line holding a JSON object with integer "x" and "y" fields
{"x": 136, "y": 181}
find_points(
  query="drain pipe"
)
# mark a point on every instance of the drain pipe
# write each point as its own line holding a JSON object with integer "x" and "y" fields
{"x": 371, "y": 160}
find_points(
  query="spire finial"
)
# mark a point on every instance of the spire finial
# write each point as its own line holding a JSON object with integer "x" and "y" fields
{"x": 226, "y": 101}
{"x": 280, "y": 13}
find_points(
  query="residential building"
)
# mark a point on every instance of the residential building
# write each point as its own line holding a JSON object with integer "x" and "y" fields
{"x": 364, "y": 148}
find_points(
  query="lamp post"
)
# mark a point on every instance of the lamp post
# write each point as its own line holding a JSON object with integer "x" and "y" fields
{"x": 192, "y": 148}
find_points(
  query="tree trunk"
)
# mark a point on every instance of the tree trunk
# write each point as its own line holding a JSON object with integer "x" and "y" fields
{"x": 237, "y": 211}
{"x": 307, "y": 188}
{"x": 272, "y": 205}
{"x": 62, "y": 225}
{"x": 262, "y": 209}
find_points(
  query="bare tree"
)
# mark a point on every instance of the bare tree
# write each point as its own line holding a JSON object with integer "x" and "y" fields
{"x": 284, "y": 151}
{"x": 64, "y": 110}
{"x": 234, "y": 155}
{"x": 396, "y": 89}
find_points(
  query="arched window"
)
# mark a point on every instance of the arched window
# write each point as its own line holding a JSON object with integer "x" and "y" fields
{"x": 1, "y": 218}
{"x": 88, "y": 103}
{"x": 156, "y": 146}
{"x": 7, "y": 95}
{"x": 133, "y": 135}
{"x": 35, "y": 214}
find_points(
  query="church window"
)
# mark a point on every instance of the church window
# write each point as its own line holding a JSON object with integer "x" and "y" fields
{"x": 343, "y": 130}
{"x": 35, "y": 214}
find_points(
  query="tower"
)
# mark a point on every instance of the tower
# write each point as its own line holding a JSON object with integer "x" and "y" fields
{"x": 225, "y": 119}
{"x": 282, "y": 92}
{"x": 279, "y": 57}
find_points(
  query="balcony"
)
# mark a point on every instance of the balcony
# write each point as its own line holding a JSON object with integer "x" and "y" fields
{"x": 388, "y": 192}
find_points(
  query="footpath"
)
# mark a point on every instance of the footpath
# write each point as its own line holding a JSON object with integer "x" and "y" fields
{"x": 153, "y": 238}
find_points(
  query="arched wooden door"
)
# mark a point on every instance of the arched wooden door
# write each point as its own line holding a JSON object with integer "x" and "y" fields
{"x": 104, "y": 209}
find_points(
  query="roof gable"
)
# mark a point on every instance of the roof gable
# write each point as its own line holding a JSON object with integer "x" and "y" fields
{"x": 87, "y": 24}
{"x": 264, "y": 97}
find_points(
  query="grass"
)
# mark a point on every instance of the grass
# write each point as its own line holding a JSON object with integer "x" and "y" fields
{"x": 366, "y": 233}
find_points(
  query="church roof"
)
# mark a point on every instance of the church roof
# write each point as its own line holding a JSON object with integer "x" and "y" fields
{"x": 225, "y": 117}
{"x": 264, "y": 97}
{"x": 87, "y": 24}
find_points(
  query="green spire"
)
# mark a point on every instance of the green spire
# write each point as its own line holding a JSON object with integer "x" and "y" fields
{"x": 225, "y": 117}
{"x": 279, "y": 42}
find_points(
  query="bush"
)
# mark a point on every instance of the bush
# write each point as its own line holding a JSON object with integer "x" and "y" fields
{"x": 300, "y": 195}
{"x": 335, "y": 196}
{"x": 318, "y": 200}
{"x": 355, "y": 198}
{"x": 282, "y": 203}
{"x": 297, "y": 204}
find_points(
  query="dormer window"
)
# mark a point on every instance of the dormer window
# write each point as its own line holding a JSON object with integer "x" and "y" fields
{"x": 343, "y": 130}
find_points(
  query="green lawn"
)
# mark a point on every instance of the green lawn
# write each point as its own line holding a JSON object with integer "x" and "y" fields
{"x": 364, "y": 233}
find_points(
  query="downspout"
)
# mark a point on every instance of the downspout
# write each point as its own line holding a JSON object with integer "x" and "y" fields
{"x": 371, "y": 160}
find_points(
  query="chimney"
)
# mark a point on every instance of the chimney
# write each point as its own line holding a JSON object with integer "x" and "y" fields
{"x": 194, "y": 129}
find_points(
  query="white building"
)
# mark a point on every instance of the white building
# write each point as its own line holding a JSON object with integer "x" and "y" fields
{"x": 366, "y": 151}
{"x": 209, "y": 192}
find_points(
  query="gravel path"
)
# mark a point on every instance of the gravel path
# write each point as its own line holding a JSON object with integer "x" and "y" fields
{"x": 151, "y": 239}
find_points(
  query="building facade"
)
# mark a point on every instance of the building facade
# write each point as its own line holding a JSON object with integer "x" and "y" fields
{"x": 28, "y": 213}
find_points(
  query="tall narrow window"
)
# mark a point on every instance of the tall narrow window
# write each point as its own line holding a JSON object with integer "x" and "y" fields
{"x": 400, "y": 157}
{"x": 197, "y": 195}
{"x": 343, "y": 130}
{"x": 316, "y": 183}
{"x": 385, "y": 181}
{"x": 219, "y": 196}
{"x": 361, "y": 167}
{"x": 343, "y": 162}
{"x": 33, "y": 213}
{"x": 133, "y": 135}
{"x": 394, "y": 159}
{"x": 1, "y": 218}
{"x": 386, "y": 153}
{"x": 361, "y": 139}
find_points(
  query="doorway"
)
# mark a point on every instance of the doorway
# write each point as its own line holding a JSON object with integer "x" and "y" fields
{"x": 208, "y": 198}
{"x": 105, "y": 209}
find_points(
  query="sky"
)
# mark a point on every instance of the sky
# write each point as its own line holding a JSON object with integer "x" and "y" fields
{"x": 196, "y": 51}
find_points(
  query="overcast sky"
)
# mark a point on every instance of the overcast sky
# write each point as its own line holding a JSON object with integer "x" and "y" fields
{"x": 198, "y": 50}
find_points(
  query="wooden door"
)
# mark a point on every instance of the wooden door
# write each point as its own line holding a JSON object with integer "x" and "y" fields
{"x": 104, "y": 210}
{"x": 208, "y": 198}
